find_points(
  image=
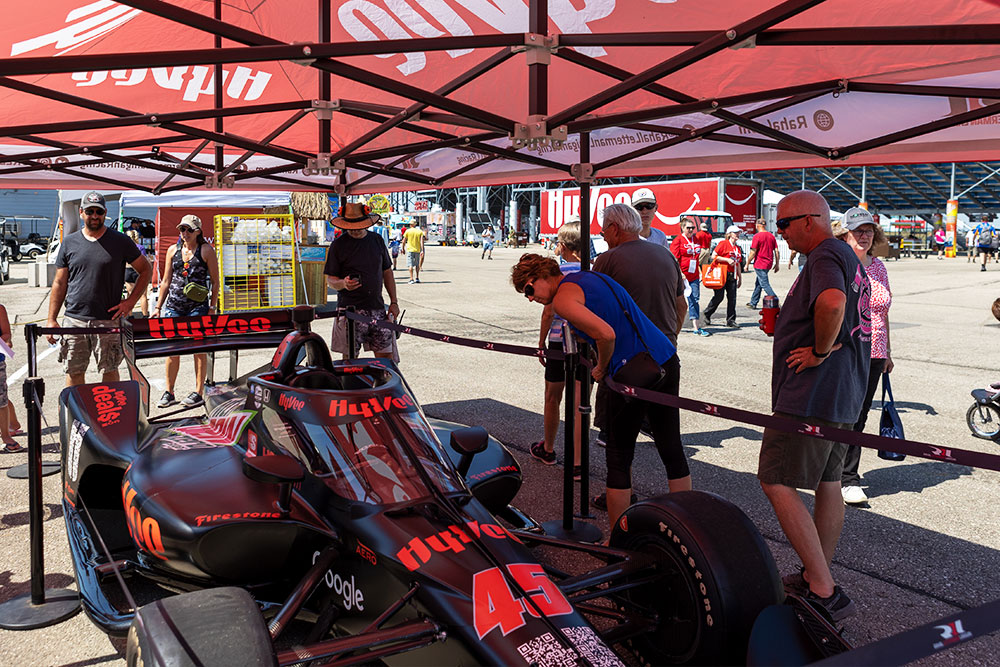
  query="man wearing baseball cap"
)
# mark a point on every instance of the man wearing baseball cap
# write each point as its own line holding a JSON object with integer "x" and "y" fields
{"x": 644, "y": 201}
{"x": 90, "y": 274}
{"x": 358, "y": 267}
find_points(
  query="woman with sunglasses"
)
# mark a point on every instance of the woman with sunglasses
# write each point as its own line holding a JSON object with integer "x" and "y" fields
{"x": 602, "y": 313}
{"x": 862, "y": 234}
{"x": 190, "y": 288}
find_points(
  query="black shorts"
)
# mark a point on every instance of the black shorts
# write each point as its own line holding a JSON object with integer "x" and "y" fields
{"x": 985, "y": 250}
{"x": 131, "y": 275}
{"x": 555, "y": 369}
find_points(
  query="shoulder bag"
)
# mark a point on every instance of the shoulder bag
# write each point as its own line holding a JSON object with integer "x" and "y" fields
{"x": 890, "y": 426}
{"x": 641, "y": 370}
{"x": 713, "y": 276}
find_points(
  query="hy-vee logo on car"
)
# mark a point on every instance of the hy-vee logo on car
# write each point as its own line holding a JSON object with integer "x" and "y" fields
{"x": 371, "y": 407}
{"x": 454, "y": 539}
{"x": 209, "y": 325}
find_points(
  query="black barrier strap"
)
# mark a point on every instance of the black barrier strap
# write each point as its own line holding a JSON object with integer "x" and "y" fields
{"x": 522, "y": 350}
{"x": 913, "y": 448}
{"x": 76, "y": 331}
{"x": 936, "y": 636}
{"x": 921, "y": 449}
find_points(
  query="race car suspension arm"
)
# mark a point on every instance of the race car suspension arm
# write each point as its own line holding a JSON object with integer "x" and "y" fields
{"x": 302, "y": 591}
{"x": 411, "y": 634}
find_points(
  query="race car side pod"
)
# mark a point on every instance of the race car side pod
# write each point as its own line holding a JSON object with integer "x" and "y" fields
{"x": 39, "y": 608}
{"x": 569, "y": 528}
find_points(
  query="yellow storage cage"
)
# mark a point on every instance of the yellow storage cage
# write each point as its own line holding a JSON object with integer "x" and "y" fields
{"x": 256, "y": 261}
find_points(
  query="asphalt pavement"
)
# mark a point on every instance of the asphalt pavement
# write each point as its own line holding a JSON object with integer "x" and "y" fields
{"x": 926, "y": 545}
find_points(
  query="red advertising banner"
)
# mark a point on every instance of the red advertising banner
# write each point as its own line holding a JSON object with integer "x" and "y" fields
{"x": 673, "y": 198}
{"x": 741, "y": 203}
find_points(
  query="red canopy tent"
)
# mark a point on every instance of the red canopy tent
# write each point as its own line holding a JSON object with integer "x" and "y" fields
{"x": 378, "y": 95}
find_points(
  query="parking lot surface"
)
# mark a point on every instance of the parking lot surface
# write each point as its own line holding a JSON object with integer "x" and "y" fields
{"x": 927, "y": 544}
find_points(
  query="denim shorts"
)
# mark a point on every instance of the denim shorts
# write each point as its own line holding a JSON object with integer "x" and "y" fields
{"x": 197, "y": 311}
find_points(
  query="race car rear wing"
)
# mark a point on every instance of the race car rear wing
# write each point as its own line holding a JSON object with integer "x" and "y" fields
{"x": 167, "y": 337}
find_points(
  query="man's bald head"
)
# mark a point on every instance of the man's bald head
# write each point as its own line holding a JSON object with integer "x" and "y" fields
{"x": 809, "y": 220}
{"x": 806, "y": 201}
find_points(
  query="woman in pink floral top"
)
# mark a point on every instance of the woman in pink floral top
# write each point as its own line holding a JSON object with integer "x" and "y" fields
{"x": 862, "y": 239}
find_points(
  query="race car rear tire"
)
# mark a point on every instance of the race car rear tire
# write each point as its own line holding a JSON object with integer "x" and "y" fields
{"x": 718, "y": 575}
{"x": 215, "y": 626}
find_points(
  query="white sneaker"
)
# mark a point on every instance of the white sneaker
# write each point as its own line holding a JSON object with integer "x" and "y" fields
{"x": 854, "y": 495}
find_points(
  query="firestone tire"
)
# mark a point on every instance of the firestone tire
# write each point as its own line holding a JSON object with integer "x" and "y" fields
{"x": 718, "y": 575}
{"x": 216, "y": 626}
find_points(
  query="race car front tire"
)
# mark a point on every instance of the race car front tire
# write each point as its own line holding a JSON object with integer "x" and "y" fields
{"x": 717, "y": 576}
{"x": 215, "y": 626}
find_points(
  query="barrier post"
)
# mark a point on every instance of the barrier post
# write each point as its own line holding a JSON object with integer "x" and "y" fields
{"x": 23, "y": 471}
{"x": 568, "y": 527}
{"x": 351, "y": 336}
{"x": 39, "y": 608}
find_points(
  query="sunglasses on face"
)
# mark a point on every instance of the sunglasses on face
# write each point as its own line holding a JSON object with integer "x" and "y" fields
{"x": 93, "y": 211}
{"x": 185, "y": 230}
{"x": 689, "y": 229}
{"x": 529, "y": 290}
{"x": 864, "y": 231}
{"x": 782, "y": 223}
{"x": 645, "y": 207}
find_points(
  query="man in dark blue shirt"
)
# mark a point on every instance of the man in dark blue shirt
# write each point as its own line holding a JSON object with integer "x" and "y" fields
{"x": 822, "y": 347}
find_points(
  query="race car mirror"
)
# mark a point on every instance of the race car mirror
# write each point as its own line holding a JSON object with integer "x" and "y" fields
{"x": 468, "y": 442}
{"x": 277, "y": 469}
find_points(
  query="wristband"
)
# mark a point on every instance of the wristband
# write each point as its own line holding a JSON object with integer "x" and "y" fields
{"x": 820, "y": 356}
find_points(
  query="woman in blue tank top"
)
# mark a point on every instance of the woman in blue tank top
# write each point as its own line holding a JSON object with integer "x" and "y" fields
{"x": 595, "y": 306}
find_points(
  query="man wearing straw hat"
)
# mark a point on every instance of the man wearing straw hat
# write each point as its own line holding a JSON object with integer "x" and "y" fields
{"x": 358, "y": 267}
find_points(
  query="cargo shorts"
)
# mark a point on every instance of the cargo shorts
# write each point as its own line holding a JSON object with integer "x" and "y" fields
{"x": 800, "y": 461}
{"x": 372, "y": 338}
{"x": 75, "y": 351}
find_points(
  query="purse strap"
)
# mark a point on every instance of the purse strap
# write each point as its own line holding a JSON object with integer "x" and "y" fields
{"x": 628, "y": 315}
{"x": 886, "y": 387}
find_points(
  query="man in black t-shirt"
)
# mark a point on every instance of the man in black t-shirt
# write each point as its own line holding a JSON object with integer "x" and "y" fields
{"x": 358, "y": 267}
{"x": 90, "y": 274}
{"x": 822, "y": 347}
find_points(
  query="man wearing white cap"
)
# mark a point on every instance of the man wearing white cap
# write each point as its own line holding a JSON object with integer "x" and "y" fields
{"x": 90, "y": 275}
{"x": 644, "y": 201}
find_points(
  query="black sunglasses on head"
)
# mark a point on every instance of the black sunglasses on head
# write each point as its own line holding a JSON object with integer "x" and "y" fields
{"x": 529, "y": 290}
{"x": 644, "y": 207}
{"x": 782, "y": 223}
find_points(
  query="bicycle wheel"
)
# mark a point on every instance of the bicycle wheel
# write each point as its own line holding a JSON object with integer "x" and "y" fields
{"x": 984, "y": 421}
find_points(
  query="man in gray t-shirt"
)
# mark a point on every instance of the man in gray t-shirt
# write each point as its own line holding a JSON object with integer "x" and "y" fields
{"x": 822, "y": 345}
{"x": 650, "y": 274}
{"x": 90, "y": 275}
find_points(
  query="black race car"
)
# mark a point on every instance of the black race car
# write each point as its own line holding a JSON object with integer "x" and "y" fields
{"x": 310, "y": 514}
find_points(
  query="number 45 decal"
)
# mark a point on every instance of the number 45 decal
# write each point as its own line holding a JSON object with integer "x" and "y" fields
{"x": 494, "y": 604}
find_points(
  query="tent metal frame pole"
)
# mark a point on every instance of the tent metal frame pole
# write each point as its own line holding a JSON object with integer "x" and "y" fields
{"x": 100, "y": 107}
{"x": 710, "y": 46}
{"x": 219, "y": 101}
{"x": 147, "y": 119}
{"x": 538, "y": 68}
{"x": 702, "y": 132}
{"x": 325, "y": 89}
{"x": 269, "y": 50}
{"x": 919, "y": 130}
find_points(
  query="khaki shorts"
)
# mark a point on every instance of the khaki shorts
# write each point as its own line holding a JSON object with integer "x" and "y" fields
{"x": 798, "y": 460}
{"x": 75, "y": 351}
{"x": 373, "y": 339}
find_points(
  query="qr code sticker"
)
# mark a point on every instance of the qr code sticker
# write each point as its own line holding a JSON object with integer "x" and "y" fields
{"x": 545, "y": 651}
{"x": 592, "y": 648}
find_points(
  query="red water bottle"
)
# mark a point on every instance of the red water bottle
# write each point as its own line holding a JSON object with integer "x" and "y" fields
{"x": 769, "y": 314}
